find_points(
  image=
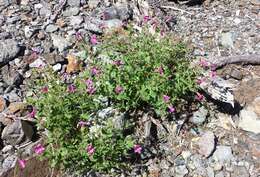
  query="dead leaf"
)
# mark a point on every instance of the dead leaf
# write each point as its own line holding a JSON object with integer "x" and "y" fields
{"x": 74, "y": 65}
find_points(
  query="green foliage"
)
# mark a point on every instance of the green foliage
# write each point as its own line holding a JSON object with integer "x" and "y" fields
{"x": 140, "y": 70}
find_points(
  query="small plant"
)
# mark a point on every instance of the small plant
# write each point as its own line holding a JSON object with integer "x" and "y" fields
{"x": 142, "y": 71}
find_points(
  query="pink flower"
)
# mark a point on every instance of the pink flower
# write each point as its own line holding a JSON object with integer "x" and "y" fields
{"x": 89, "y": 82}
{"x": 138, "y": 148}
{"x": 166, "y": 98}
{"x": 33, "y": 113}
{"x": 147, "y": 18}
{"x": 160, "y": 70}
{"x": 93, "y": 39}
{"x": 200, "y": 80}
{"x": 213, "y": 67}
{"x": 39, "y": 149}
{"x": 118, "y": 62}
{"x": 95, "y": 71}
{"x": 90, "y": 149}
{"x": 82, "y": 124}
{"x": 79, "y": 36}
{"x": 213, "y": 74}
{"x": 162, "y": 32}
{"x": 199, "y": 96}
{"x": 118, "y": 89}
{"x": 171, "y": 109}
{"x": 22, "y": 163}
{"x": 71, "y": 88}
{"x": 45, "y": 89}
{"x": 204, "y": 64}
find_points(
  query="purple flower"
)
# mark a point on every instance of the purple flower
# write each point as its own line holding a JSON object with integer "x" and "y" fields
{"x": 71, "y": 88}
{"x": 45, "y": 89}
{"x": 39, "y": 149}
{"x": 91, "y": 90}
{"x": 213, "y": 67}
{"x": 213, "y": 74}
{"x": 160, "y": 70}
{"x": 171, "y": 109}
{"x": 95, "y": 71}
{"x": 79, "y": 36}
{"x": 204, "y": 64}
{"x": 93, "y": 39}
{"x": 89, "y": 82}
{"x": 33, "y": 113}
{"x": 147, "y": 18}
{"x": 82, "y": 124}
{"x": 138, "y": 148}
{"x": 166, "y": 98}
{"x": 118, "y": 89}
{"x": 118, "y": 62}
{"x": 199, "y": 96}
{"x": 22, "y": 163}
{"x": 90, "y": 149}
{"x": 200, "y": 80}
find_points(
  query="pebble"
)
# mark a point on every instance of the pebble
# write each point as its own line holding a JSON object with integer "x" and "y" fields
{"x": 181, "y": 171}
{"x": 92, "y": 4}
{"x": 210, "y": 172}
{"x": 37, "y": 63}
{"x": 9, "y": 162}
{"x": 29, "y": 31}
{"x": 57, "y": 67}
{"x": 60, "y": 42}
{"x": 223, "y": 154}
{"x": 9, "y": 49}
{"x": 249, "y": 121}
{"x": 227, "y": 40}
{"x": 76, "y": 20}
{"x": 71, "y": 11}
{"x": 74, "y": 3}
{"x": 240, "y": 171}
{"x": 51, "y": 28}
{"x": 199, "y": 116}
{"x": 207, "y": 144}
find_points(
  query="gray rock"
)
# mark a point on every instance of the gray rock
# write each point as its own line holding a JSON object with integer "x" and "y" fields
{"x": 124, "y": 12}
{"x": 13, "y": 96}
{"x": 236, "y": 74}
{"x": 51, "y": 28}
{"x": 249, "y": 121}
{"x": 71, "y": 11}
{"x": 199, "y": 116}
{"x": 8, "y": 50}
{"x": 240, "y": 171}
{"x": 93, "y": 25}
{"x": 76, "y": 20}
{"x": 181, "y": 171}
{"x": 111, "y": 24}
{"x": 223, "y": 154}
{"x": 9, "y": 162}
{"x": 37, "y": 63}
{"x": 207, "y": 144}
{"x": 12, "y": 20}
{"x": 73, "y": 3}
{"x": 18, "y": 132}
{"x": 210, "y": 172}
{"x": 227, "y": 40}
{"x": 60, "y": 42}
{"x": 220, "y": 174}
{"x": 8, "y": 149}
{"x": 29, "y": 31}
{"x": 110, "y": 13}
{"x": 5, "y": 2}
{"x": 93, "y": 3}
{"x": 106, "y": 113}
{"x": 45, "y": 11}
{"x": 11, "y": 76}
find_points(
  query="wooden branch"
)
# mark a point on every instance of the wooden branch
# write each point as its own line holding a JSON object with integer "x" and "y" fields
{"x": 253, "y": 59}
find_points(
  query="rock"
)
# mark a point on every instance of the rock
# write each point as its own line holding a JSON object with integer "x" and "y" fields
{"x": 220, "y": 174}
{"x": 210, "y": 172}
{"x": 74, "y": 65}
{"x": 227, "y": 40}
{"x": 2, "y": 103}
{"x": 57, "y": 67}
{"x": 8, "y": 149}
{"x": 18, "y": 132}
{"x": 236, "y": 74}
{"x": 37, "y": 63}
{"x": 41, "y": 35}
{"x": 199, "y": 116}
{"x": 13, "y": 19}
{"x": 76, "y": 20}
{"x": 112, "y": 24}
{"x": 60, "y": 42}
{"x": 92, "y": 4}
{"x": 52, "y": 58}
{"x": 181, "y": 171}
{"x": 223, "y": 154}
{"x": 13, "y": 96}
{"x": 9, "y": 162}
{"x": 217, "y": 166}
{"x": 256, "y": 106}
{"x": 207, "y": 144}
{"x": 51, "y": 28}
{"x": 45, "y": 10}
{"x": 8, "y": 50}
{"x": 105, "y": 113}
{"x": 74, "y": 3}
{"x": 16, "y": 107}
{"x": 29, "y": 31}
{"x": 240, "y": 171}
{"x": 124, "y": 12}
{"x": 249, "y": 121}
{"x": 71, "y": 11}
{"x": 93, "y": 25}
{"x": 11, "y": 76}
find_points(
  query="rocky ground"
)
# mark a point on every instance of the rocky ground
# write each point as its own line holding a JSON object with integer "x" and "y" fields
{"x": 221, "y": 142}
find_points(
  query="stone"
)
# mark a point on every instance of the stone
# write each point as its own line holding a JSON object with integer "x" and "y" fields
{"x": 223, "y": 154}
{"x": 13, "y": 19}
{"x": 13, "y": 96}
{"x": 93, "y": 25}
{"x": 41, "y": 35}
{"x": 220, "y": 174}
{"x": 16, "y": 107}
{"x": 112, "y": 24}
{"x": 57, "y": 67}
{"x": 207, "y": 144}
{"x": 236, "y": 74}
{"x": 9, "y": 162}
{"x": 37, "y": 63}
{"x": 29, "y": 31}
{"x": 76, "y": 20}
{"x": 256, "y": 106}
{"x": 199, "y": 116}
{"x": 92, "y": 4}
{"x": 8, "y": 149}
{"x": 249, "y": 121}
{"x": 60, "y": 42}
{"x": 51, "y": 28}
{"x": 217, "y": 166}
{"x": 240, "y": 171}
{"x": 8, "y": 50}
{"x": 52, "y": 58}
{"x": 181, "y": 171}
{"x": 105, "y": 113}
{"x": 227, "y": 40}
{"x": 124, "y": 12}
{"x": 74, "y": 3}
{"x": 17, "y": 133}
{"x": 45, "y": 11}
{"x": 11, "y": 76}
{"x": 2, "y": 103}
{"x": 210, "y": 172}
{"x": 71, "y": 11}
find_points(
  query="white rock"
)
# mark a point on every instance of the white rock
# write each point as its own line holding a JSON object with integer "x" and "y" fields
{"x": 37, "y": 63}
{"x": 206, "y": 144}
{"x": 57, "y": 67}
{"x": 60, "y": 42}
{"x": 223, "y": 154}
{"x": 249, "y": 121}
